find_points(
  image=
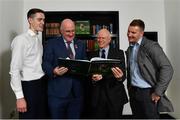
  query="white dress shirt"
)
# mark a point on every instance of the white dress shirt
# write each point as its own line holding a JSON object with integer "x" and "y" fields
{"x": 26, "y": 60}
{"x": 106, "y": 52}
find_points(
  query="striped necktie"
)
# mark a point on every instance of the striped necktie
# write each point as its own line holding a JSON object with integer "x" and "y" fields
{"x": 69, "y": 50}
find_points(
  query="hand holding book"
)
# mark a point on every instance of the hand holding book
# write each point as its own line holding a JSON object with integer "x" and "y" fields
{"x": 97, "y": 77}
{"x": 60, "y": 71}
{"x": 117, "y": 72}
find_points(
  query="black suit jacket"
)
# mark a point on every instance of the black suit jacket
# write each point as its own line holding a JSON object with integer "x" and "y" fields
{"x": 112, "y": 88}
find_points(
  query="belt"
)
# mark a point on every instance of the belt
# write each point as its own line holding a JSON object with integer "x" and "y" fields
{"x": 138, "y": 88}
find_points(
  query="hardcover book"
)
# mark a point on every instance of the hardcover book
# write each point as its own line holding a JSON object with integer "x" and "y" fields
{"x": 82, "y": 27}
{"x": 94, "y": 66}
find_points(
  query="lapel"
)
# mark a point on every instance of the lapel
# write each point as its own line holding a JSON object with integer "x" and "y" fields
{"x": 142, "y": 48}
{"x": 77, "y": 48}
{"x": 110, "y": 53}
{"x": 62, "y": 45}
{"x": 128, "y": 55}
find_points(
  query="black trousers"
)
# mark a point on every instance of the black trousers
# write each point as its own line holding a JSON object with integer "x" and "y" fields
{"x": 35, "y": 94}
{"x": 141, "y": 103}
{"x": 102, "y": 107}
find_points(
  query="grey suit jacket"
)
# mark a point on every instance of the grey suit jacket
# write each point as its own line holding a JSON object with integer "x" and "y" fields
{"x": 156, "y": 69}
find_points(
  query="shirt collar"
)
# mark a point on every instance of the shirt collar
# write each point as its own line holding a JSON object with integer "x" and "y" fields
{"x": 66, "y": 41}
{"x": 32, "y": 33}
{"x": 139, "y": 42}
{"x": 106, "y": 49}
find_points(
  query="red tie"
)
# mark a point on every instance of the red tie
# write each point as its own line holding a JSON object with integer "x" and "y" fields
{"x": 69, "y": 50}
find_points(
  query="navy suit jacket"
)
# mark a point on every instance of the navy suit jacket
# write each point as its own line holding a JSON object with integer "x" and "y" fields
{"x": 61, "y": 86}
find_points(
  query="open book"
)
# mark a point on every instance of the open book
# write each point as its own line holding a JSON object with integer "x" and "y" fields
{"x": 84, "y": 67}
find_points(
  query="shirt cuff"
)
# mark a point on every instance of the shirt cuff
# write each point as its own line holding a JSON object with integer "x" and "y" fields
{"x": 19, "y": 95}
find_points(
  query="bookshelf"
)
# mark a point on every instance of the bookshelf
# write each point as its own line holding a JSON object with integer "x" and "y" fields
{"x": 87, "y": 25}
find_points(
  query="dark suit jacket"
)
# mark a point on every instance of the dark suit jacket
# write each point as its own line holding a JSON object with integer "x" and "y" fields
{"x": 115, "y": 91}
{"x": 155, "y": 68}
{"x": 61, "y": 86}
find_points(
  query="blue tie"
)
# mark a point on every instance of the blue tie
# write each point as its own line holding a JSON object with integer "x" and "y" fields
{"x": 132, "y": 57}
{"x": 103, "y": 53}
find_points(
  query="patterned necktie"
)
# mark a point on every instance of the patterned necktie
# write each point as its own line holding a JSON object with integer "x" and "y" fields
{"x": 69, "y": 50}
{"x": 103, "y": 53}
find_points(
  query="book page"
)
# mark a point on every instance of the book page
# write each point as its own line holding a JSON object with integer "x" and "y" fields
{"x": 101, "y": 59}
{"x": 74, "y": 59}
{"x": 97, "y": 59}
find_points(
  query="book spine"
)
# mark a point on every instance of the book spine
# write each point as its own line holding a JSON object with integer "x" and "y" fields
{"x": 111, "y": 28}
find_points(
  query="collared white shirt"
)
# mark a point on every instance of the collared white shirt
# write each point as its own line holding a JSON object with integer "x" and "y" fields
{"x": 26, "y": 60}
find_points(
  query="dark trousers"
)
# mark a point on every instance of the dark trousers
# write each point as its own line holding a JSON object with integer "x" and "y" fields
{"x": 35, "y": 94}
{"x": 102, "y": 107}
{"x": 141, "y": 103}
{"x": 65, "y": 108}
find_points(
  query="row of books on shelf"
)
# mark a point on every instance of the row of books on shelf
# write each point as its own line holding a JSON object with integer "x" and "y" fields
{"x": 92, "y": 45}
{"x": 82, "y": 28}
{"x": 52, "y": 29}
{"x": 97, "y": 27}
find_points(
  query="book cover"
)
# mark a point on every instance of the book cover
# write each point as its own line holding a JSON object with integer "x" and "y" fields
{"x": 94, "y": 66}
{"x": 82, "y": 27}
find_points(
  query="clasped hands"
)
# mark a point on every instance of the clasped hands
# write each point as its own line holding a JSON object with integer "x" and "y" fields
{"x": 117, "y": 72}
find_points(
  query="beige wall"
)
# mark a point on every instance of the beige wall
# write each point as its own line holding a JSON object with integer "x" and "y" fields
{"x": 11, "y": 25}
{"x": 172, "y": 17}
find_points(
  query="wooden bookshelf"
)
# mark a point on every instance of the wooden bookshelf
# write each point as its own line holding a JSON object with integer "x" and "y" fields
{"x": 89, "y": 21}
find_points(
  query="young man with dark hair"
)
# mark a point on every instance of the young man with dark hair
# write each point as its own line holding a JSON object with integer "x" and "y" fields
{"x": 27, "y": 79}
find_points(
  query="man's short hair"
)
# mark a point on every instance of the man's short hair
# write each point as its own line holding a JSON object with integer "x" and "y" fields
{"x": 33, "y": 11}
{"x": 139, "y": 23}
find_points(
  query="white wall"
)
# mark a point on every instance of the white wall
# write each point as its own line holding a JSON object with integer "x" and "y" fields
{"x": 151, "y": 11}
{"x": 11, "y": 25}
{"x": 172, "y": 17}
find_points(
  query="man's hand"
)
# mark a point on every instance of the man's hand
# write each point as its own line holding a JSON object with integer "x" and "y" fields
{"x": 60, "y": 71}
{"x": 97, "y": 77}
{"x": 21, "y": 105}
{"x": 117, "y": 72}
{"x": 155, "y": 97}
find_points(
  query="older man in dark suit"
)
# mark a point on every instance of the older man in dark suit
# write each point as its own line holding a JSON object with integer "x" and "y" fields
{"x": 65, "y": 93}
{"x": 108, "y": 92}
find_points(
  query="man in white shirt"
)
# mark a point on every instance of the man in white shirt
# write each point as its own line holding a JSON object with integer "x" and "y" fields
{"x": 27, "y": 79}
